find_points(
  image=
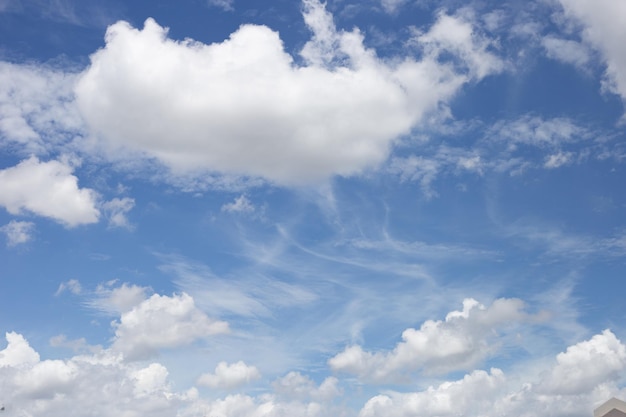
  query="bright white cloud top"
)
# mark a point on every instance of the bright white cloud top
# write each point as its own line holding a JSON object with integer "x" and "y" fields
{"x": 245, "y": 107}
{"x": 341, "y": 209}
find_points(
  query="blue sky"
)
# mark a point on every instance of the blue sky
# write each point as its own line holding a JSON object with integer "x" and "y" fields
{"x": 380, "y": 208}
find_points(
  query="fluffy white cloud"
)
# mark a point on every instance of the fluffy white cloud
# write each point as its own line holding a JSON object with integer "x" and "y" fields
{"x": 460, "y": 341}
{"x": 17, "y": 232}
{"x": 471, "y": 396}
{"x": 230, "y": 376}
{"x": 18, "y": 351}
{"x": 262, "y": 406}
{"x": 162, "y": 322}
{"x": 244, "y": 106}
{"x": 45, "y": 379}
{"x": 150, "y": 379}
{"x": 587, "y": 364}
{"x": 48, "y": 189}
{"x": 604, "y": 30}
{"x": 101, "y": 382}
{"x": 582, "y": 376}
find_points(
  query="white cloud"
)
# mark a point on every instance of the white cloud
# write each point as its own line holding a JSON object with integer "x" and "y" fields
{"x": 47, "y": 189}
{"x": 262, "y": 406}
{"x": 392, "y": 6}
{"x": 558, "y": 160}
{"x": 71, "y": 285}
{"x": 585, "y": 375}
{"x": 117, "y": 300}
{"x": 18, "y": 352}
{"x": 460, "y": 341}
{"x": 536, "y": 131}
{"x": 585, "y": 365}
{"x": 241, "y": 205}
{"x": 230, "y": 376}
{"x": 150, "y": 380}
{"x": 567, "y": 51}
{"x": 45, "y": 379}
{"x": 473, "y": 395}
{"x": 254, "y": 111}
{"x": 455, "y": 35}
{"x": 162, "y": 322}
{"x": 250, "y": 295}
{"x": 299, "y": 387}
{"x": 37, "y": 110}
{"x": 18, "y": 232}
{"x": 604, "y": 30}
{"x": 100, "y": 382}
{"x": 507, "y": 146}
{"x": 77, "y": 345}
{"x": 223, "y": 4}
{"x": 417, "y": 168}
{"x": 116, "y": 211}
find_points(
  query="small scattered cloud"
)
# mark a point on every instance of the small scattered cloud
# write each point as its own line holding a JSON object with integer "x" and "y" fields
{"x": 227, "y": 5}
{"x": 73, "y": 286}
{"x": 18, "y": 232}
{"x": 567, "y": 51}
{"x": 558, "y": 160}
{"x": 116, "y": 211}
{"x": 392, "y": 6}
{"x": 458, "y": 36}
{"x": 241, "y": 205}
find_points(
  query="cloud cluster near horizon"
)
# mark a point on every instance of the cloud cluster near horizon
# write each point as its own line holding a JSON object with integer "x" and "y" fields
{"x": 110, "y": 380}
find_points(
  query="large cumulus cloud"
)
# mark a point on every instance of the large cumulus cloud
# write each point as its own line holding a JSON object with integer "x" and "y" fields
{"x": 246, "y": 107}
